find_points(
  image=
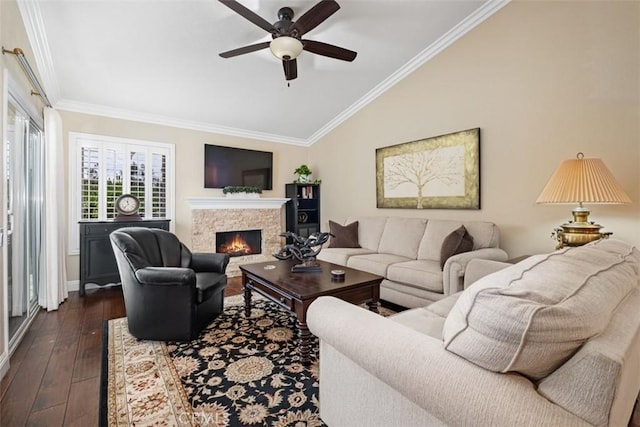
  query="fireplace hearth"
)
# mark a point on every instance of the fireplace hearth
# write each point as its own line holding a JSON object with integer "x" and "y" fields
{"x": 239, "y": 243}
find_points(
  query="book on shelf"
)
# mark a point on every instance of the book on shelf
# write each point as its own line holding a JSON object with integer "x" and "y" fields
{"x": 306, "y": 192}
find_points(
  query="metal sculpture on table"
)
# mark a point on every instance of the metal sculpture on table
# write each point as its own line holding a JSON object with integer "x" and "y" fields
{"x": 304, "y": 249}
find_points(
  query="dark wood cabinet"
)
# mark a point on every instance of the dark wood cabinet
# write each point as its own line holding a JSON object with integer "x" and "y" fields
{"x": 303, "y": 210}
{"x": 97, "y": 262}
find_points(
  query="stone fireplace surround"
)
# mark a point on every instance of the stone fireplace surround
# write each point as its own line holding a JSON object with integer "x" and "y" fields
{"x": 217, "y": 214}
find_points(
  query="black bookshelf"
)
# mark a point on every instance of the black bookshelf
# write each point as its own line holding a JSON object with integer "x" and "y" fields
{"x": 303, "y": 210}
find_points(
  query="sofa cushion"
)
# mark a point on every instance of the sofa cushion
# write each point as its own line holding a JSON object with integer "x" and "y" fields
{"x": 458, "y": 241}
{"x": 341, "y": 255}
{"x": 421, "y": 320}
{"x": 374, "y": 263}
{"x": 401, "y": 236}
{"x": 428, "y": 320}
{"x": 406, "y": 295}
{"x": 343, "y": 236}
{"x": 369, "y": 230}
{"x": 434, "y": 235}
{"x": 533, "y": 316}
{"x": 604, "y": 373}
{"x": 485, "y": 235}
{"x": 420, "y": 273}
{"x": 443, "y": 307}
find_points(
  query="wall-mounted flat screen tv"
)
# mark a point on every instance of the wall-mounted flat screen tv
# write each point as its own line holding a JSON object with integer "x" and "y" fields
{"x": 228, "y": 166}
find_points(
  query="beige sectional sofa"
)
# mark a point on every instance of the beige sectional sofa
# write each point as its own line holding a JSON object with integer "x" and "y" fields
{"x": 406, "y": 252}
{"x": 551, "y": 341}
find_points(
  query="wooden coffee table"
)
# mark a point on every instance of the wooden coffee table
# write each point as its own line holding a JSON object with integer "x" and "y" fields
{"x": 296, "y": 291}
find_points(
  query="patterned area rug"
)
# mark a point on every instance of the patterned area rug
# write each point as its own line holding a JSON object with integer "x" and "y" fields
{"x": 239, "y": 372}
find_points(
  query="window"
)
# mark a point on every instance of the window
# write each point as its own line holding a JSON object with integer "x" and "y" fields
{"x": 102, "y": 168}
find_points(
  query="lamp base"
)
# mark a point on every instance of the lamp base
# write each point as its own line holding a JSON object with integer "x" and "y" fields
{"x": 579, "y": 231}
{"x": 572, "y": 234}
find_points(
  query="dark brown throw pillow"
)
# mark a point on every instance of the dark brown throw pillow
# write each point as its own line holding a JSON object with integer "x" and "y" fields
{"x": 455, "y": 243}
{"x": 343, "y": 236}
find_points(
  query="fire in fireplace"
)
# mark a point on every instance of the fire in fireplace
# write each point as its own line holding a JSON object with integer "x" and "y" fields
{"x": 239, "y": 243}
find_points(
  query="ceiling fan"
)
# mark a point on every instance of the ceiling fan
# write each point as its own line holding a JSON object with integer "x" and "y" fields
{"x": 287, "y": 34}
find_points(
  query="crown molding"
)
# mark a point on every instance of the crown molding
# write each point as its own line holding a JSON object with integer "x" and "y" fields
{"x": 34, "y": 26}
{"x": 99, "y": 110}
{"x": 446, "y": 40}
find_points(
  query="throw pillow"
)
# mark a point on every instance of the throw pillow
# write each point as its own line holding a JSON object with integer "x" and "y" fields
{"x": 457, "y": 242}
{"x": 343, "y": 236}
{"x": 533, "y": 316}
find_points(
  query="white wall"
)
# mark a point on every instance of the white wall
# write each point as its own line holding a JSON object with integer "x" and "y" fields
{"x": 543, "y": 80}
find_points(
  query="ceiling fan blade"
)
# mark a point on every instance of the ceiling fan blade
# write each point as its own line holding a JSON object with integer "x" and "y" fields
{"x": 314, "y": 17}
{"x": 290, "y": 68}
{"x": 329, "y": 50}
{"x": 245, "y": 49}
{"x": 248, "y": 15}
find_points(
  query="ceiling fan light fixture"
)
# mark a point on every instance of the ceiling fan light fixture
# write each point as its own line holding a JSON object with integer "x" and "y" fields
{"x": 285, "y": 46}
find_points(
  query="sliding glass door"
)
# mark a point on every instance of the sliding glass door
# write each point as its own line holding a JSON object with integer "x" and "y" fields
{"x": 24, "y": 164}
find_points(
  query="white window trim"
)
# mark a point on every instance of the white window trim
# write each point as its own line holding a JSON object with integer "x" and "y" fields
{"x": 75, "y": 139}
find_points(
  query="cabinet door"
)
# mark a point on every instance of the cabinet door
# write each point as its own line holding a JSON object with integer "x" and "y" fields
{"x": 307, "y": 230}
{"x": 100, "y": 263}
{"x": 97, "y": 262}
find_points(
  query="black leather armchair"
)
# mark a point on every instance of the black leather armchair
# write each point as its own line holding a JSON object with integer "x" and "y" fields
{"x": 170, "y": 294}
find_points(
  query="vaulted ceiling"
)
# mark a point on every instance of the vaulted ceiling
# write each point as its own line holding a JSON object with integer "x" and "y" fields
{"x": 157, "y": 60}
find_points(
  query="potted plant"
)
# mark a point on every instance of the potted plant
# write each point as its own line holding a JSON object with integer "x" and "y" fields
{"x": 241, "y": 191}
{"x": 304, "y": 174}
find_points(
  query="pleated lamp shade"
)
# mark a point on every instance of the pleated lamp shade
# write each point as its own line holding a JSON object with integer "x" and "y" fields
{"x": 583, "y": 180}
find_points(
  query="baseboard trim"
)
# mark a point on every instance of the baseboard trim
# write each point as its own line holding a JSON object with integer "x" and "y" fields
{"x": 74, "y": 286}
{"x": 4, "y": 364}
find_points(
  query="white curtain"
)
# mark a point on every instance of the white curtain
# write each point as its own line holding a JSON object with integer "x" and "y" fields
{"x": 53, "y": 286}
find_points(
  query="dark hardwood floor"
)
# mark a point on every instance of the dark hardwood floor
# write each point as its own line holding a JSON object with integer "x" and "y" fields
{"x": 54, "y": 374}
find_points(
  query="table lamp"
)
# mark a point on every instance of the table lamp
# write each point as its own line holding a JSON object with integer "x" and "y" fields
{"x": 581, "y": 180}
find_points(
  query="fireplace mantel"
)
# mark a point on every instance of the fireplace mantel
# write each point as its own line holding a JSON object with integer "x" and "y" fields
{"x": 235, "y": 203}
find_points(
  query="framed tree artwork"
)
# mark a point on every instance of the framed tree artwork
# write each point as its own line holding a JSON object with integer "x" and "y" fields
{"x": 441, "y": 172}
